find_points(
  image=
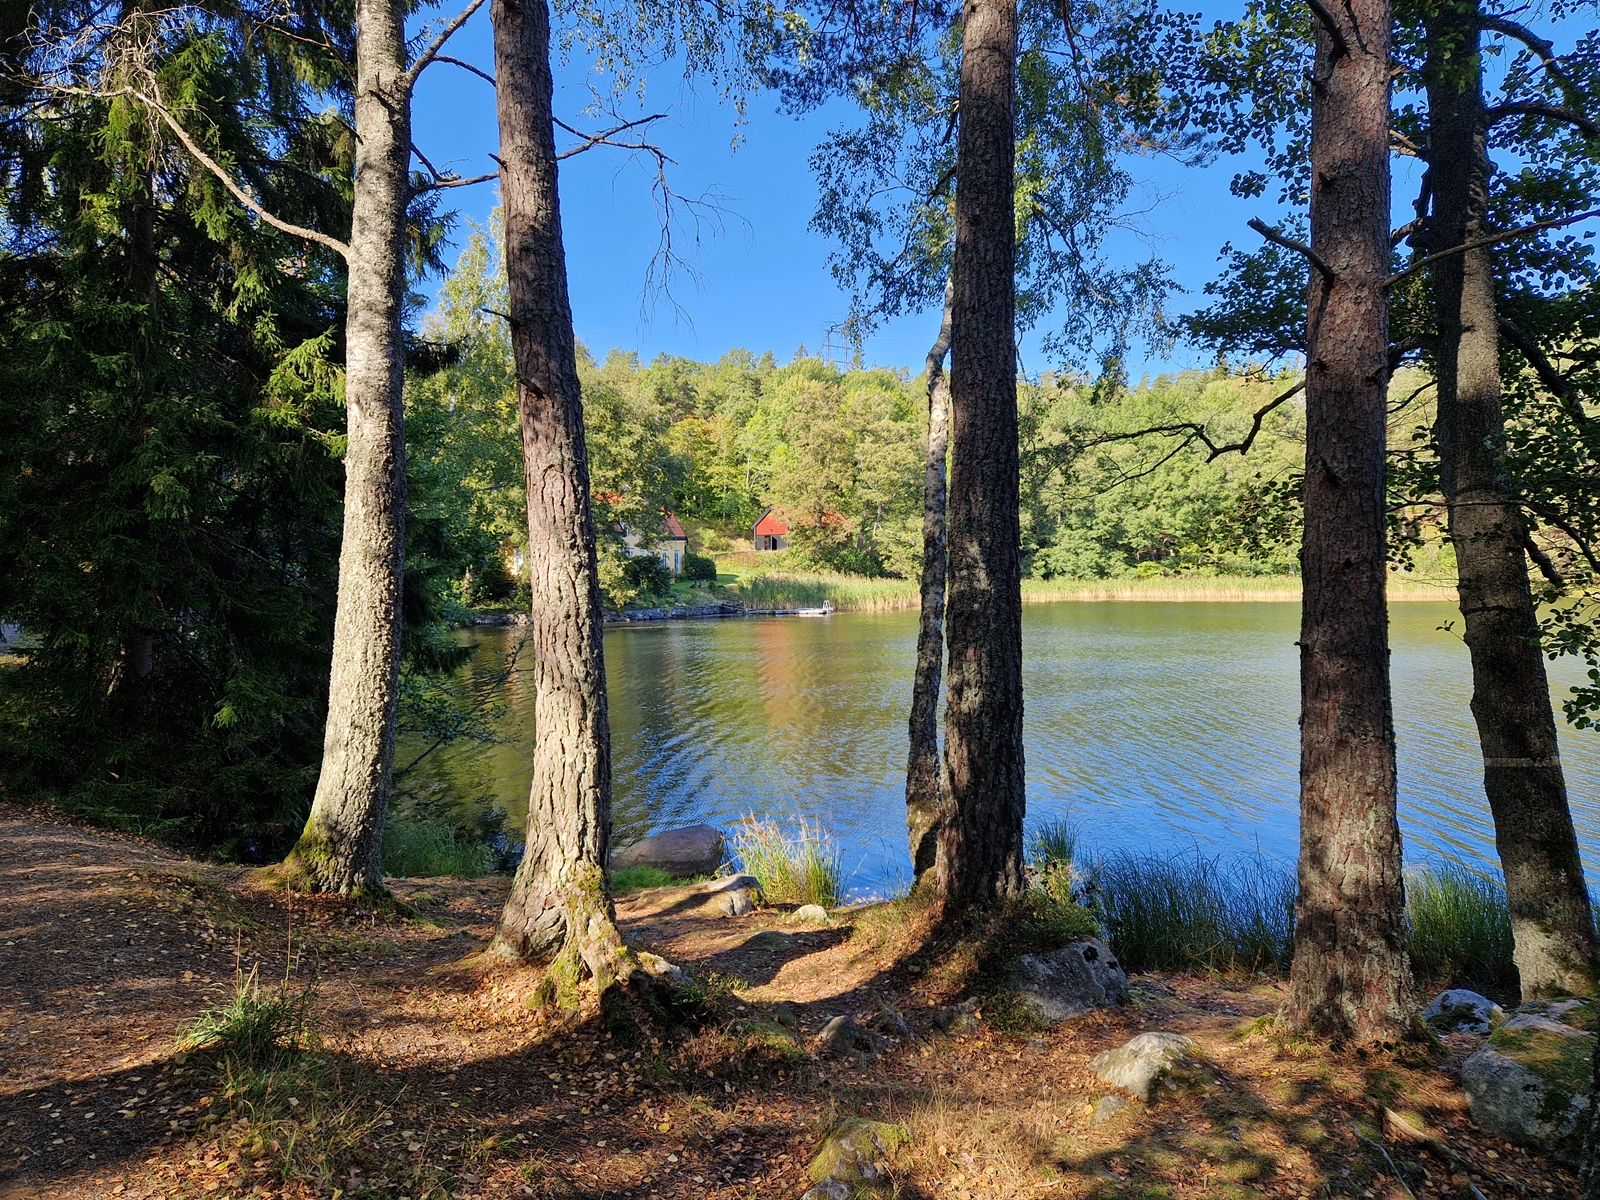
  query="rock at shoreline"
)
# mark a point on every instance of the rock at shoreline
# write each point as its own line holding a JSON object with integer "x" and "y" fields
{"x": 1460, "y": 1011}
{"x": 1069, "y": 982}
{"x": 810, "y": 914}
{"x": 843, "y": 1036}
{"x": 735, "y": 895}
{"x": 692, "y": 850}
{"x": 1151, "y": 1061}
{"x": 1530, "y": 1084}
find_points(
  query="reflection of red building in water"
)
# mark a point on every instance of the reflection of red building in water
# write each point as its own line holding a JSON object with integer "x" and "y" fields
{"x": 771, "y": 532}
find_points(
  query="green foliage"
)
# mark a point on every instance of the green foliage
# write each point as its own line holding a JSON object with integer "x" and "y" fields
{"x": 1183, "y": 912}
{"x": 647, "y": 574}
{"x": 798, "y": 868}
{"x": 254, "y": 1024}
{"x": 428, "y": 850}
{"x": 698, "y": 568}
{"x": 1460, "y": 926}
{"x": 636, "y": 879}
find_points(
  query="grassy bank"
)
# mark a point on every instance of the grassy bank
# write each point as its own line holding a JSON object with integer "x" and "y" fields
{"x": 856, "y": 593}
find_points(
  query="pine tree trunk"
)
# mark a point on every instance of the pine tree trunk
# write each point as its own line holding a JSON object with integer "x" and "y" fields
{"x": 923, "y": 798}
{"x": 559, "y": 904}
{"x": 1351, "y": 978}
{"x": 1551, "y": 922}
{"x": 341, "y": 848}
{"x": 980, "y": 838}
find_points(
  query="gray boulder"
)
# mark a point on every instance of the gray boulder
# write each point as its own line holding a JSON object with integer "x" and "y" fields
{"x": 855, "y": 1153}
{"x": 735, "y": 895}
{"x": 843, "y": 1036}
{"x": 810, "y": 914}
{"x": 1530, "y": 1083}
{"x": 958, "y": 1018}
{"x": 1151, "y": 1061}
{"x": 692, "y": 850}
{"x": 1069, "y": 982}
{"x": 1460, "y": 1011}
{"x": 828, "y": 1189}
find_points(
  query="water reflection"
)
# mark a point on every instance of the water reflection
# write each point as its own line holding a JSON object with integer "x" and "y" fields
{"x": 1150, "y": 724}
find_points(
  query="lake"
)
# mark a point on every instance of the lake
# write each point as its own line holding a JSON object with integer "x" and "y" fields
{"x": 1149, "y": 725}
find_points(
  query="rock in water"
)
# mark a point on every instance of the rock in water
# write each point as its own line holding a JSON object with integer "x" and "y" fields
{"x": 844, "y": 1036}
{"x": 1530, "y": 1084}
{"x": 692, "y": 850}
{"x": 1151, "y": 1060}
{"x": 1070, "y": 981}
{"x": 854, "y": 1154}
{"x": 1460, "y": 1011}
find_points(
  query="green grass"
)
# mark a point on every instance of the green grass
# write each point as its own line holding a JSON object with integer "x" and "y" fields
{"x": 1460, "y": 926}
{"x": 798, "y": 868}
{"x": 1189, "y": 911}
{"x": 422, "y": 851}
{"x": 634, "y": 879}
{"x": 254, "y": 1023}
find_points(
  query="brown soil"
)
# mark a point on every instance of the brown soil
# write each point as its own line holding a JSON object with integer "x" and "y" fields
{"x": 427, "y": 1077}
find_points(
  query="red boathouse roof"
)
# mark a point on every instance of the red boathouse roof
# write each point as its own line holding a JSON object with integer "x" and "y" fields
{"x": 773, "y": 522}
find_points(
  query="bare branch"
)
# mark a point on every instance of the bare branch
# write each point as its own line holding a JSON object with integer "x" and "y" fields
{"x": 1476, "y": 243}
{"x": 455, "y": 181}
{"x": 465, "y": 66}
{"x": 604, "y": 139}
{"x": 1326, "y": 19}
{"x": 1272, "y": 235}
{"x": 1544, "y": 50}
{"x": 431, "y": 54}
{"x": 1552, "y": 111}
{"x": 1193, "y": 431}
{"x": 1405, "y": 231}
{"x": 228, "y": 181}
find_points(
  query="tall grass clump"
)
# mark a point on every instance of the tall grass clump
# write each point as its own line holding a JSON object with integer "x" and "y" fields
{"x": 809, "y": 589}
{"x": 799, "y": 868}
{"x": 254, "y": 1023}
{"x": 423, "y": 851}
{"x": 1460, "y": 926}
{"x": 1189, "y": 911}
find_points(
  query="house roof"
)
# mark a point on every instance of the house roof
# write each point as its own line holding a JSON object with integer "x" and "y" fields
{"x": 773, "y": 522}
{"x": 673, "y": 528}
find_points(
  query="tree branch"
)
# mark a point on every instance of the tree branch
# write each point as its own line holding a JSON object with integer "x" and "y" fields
{"x": 1476, "y": 243}
{"x": 1272, "y": 235}
{"x": 1542, "y": 560}
{"x": 1553, "y": 111}
{"x": 431, "y": 54}
{"x": 604, "y": 139}
{"x": 465, "y": 66}
{"x": 1196, "y": 432}
{"x": 455, "y": 181}
{"x": 1554, "y": 381}
{"x": 1326, "y": 19}
{"x": 239, "y": 194}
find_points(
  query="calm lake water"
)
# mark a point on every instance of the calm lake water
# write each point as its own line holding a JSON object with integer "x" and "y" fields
{"x": 1150, "y": 725}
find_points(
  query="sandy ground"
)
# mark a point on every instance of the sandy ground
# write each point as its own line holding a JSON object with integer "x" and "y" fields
{"x": 428, "y": 1077}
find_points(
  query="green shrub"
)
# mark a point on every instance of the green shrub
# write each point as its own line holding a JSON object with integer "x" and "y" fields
{"x": 699, "y": 568}
{"x": 1052, "y": 843}
{"x": 647, "y": 574}
{"x": 423, "y": 851}
{"x": 1190, "y": 911}
{"x": 1460, "y": 926}
{"x": 253, "y": 1023}
{"x": 799, "y": 869}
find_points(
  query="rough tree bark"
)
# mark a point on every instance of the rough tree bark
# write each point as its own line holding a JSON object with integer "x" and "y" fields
{"x": 923, "y": 793}
{"x": 1552, "y": 925}
{"x": 1351, "y": 978}
{"x": 980, "y": 837}
{"x": 559, "y": 904}
{"x": 341, "y": 848}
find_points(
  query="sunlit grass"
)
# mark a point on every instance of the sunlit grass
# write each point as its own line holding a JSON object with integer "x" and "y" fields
{"x": 798, "y": 868}
{"x": 254, "y": 1023}
{"x": 1189, "y": 911}
{"x": 1460, "y": 926}
{"x": 426, "y": 851}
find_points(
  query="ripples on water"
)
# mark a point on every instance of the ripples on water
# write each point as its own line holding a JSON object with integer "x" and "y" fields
{"x": 1148, "y": 724}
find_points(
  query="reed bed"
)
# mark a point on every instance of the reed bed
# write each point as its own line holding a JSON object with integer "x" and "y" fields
{"x": 425, "y": 851}
{"x": 1460, "y": 926}
{"x": 802, "y": 867}
{"x": 859, "y": 593}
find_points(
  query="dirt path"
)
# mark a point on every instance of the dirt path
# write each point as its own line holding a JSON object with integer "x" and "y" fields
{"x": 428, "y": 1080}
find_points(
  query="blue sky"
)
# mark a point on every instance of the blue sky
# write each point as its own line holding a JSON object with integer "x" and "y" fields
{"x": 763, "y": 277}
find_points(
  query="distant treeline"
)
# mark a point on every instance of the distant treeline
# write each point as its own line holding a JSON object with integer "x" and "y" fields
{"x": 841, "y": 451}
